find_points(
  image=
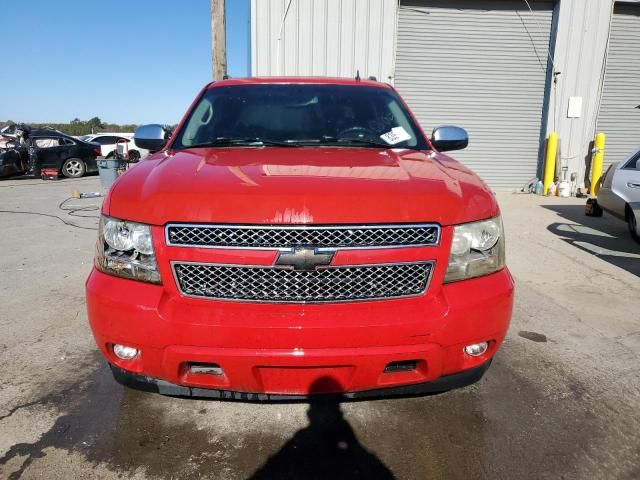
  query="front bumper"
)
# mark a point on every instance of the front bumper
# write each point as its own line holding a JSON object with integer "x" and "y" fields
{"x": 299, "y": 350}
{"x": 442, "y": 384}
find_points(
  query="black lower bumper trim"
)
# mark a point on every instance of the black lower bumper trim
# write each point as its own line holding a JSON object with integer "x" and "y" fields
{"x": 442, "y": 384}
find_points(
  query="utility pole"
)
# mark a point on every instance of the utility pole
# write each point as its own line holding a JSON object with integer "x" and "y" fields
{"x": 218, "y": 40}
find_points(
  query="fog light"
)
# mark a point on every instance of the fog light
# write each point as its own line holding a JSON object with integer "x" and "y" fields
{"x": 476, "y": 349}
{"x": 125, "y": 353}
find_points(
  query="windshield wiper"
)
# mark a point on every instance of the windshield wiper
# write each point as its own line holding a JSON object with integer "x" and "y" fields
{"x": 239, "y": 141}
{"x": 360, "y": 141}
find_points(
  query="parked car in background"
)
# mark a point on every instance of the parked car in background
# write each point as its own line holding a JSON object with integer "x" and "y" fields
{"x": 619, "y": 192}
{"x": 109, "y": 141}
{"x": 72, "y": 157}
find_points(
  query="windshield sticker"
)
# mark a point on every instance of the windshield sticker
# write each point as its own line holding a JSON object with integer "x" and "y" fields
{"x": 396, "y": 135}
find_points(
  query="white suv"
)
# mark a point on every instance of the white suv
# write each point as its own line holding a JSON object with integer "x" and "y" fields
{"x": 108, "y": 143}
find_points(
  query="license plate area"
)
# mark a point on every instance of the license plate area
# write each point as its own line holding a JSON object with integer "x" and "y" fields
{"x": 305, "y": 380}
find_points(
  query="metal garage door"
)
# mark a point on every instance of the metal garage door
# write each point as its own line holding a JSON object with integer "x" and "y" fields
{"x": 619, "y": 118}
{"x": 483, "y": 66}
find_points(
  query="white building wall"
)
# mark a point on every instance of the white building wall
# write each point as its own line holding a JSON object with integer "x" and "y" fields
{"x": 323, "y": 37}
{"x": 581, "y": 40}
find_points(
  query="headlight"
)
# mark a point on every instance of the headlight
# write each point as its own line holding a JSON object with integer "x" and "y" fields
{"x": 125, "y": 249}
{"x": 477, "y": 249}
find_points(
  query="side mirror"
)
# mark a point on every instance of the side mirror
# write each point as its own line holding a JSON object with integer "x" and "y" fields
{"x": 449, "y": 137}
{"x": 152, "y": 137}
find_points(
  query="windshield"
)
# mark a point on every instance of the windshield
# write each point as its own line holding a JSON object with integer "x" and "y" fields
{"x": 299, "y": 115}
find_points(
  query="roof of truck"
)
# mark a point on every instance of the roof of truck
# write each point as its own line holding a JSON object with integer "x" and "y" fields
{"x": 299, "y": 80}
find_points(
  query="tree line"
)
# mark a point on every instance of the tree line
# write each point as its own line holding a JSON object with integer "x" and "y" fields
{"x": 82, "y": 127}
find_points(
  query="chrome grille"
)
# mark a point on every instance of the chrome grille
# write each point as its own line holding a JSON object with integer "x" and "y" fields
{"x": 328, "y": 236}
{"x": 330, "y": 284}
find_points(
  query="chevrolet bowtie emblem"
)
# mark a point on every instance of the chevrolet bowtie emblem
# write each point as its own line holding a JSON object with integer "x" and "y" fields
{"x": 304, "y": 258}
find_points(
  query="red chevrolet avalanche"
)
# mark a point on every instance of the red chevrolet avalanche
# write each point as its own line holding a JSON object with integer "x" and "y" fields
{"x": 296, "y": 237}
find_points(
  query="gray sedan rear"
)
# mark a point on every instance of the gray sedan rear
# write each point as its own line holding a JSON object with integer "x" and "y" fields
{"x": 619, "y": 193}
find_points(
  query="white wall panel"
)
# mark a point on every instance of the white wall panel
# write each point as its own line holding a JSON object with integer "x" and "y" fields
{"x": 323, "y": 37}
{"x": 581, "y": 40}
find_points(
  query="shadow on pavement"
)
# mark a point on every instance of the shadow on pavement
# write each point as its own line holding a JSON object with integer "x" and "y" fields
{"x": 326, "y": 449}
{"x": 605, "y": 237}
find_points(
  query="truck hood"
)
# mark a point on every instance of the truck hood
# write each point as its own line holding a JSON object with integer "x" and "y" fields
{"x": 268, "y": 185}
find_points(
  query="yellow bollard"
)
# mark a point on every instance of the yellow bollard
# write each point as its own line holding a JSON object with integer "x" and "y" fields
{"x": 598, "y": 160}
{"x": 550, "y": 161}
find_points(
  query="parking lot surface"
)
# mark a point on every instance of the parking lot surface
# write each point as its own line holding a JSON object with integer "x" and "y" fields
{"x": 561, "y": 400}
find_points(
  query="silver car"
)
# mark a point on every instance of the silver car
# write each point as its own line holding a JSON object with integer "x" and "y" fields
{"x": 619, "y": 192}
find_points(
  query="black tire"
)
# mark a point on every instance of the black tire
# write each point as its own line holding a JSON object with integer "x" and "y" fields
{"x": 592, "y": 209}
{"x": 134, "y": 156}
{"x": 73, "y": 168}
{"x": 632, "y": 223}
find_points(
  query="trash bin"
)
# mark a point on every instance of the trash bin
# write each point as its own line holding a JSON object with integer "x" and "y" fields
{"x": 108, "y": 170}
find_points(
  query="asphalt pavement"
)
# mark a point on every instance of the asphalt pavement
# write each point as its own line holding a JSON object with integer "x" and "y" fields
{"x": 560, "y": 401}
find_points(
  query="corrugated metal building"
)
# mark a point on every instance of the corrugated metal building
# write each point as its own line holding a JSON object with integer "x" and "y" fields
{"x": 509, "y": 71}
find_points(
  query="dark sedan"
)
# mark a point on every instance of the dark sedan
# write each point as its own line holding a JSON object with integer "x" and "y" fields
{"x": 71, "y": 157}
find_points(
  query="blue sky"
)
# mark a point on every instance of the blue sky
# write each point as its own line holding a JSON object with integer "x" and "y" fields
{"x": 126, "y": 61}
